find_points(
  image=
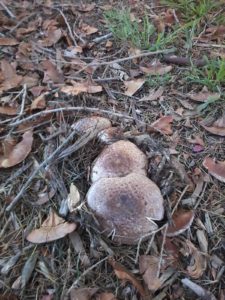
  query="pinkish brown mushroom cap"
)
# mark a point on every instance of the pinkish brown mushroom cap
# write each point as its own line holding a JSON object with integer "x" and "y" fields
{"x": 126, "y": 206}
{"x": 91, "y": 123}
{"x": 119, "y": 159}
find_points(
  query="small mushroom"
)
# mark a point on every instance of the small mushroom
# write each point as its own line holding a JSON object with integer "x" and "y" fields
{"x": 126, "y": 207}
{"x": 119, "y": 159}
{"x": 91, "y": 123}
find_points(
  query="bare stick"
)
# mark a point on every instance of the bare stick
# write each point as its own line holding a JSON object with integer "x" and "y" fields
{"x": 102, "y": 38}
{"x": 61, "y": 109}
{"x": 23, "y": 100}
{"x": 162, "y": 249}
{"x": 68, "y": 26}
{"x": 85, "y": 273}
{"x": 119, "y": 60}
{"x": 7, "y": 10}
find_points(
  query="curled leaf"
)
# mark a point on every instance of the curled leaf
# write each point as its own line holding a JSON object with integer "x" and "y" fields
{"x": 53, "y": 228}
{"x": 198, "y": 261}
{"x": 81, "y": 87}
{"x": 17, "y": 153}
{"x": 218, "y": 127}
{"x": 125, "y": 275}
{"x": 156, "y": 69}
{"x": 204, "y": 96}
{"x": 132, "y": 86}
{"x": 182, "y": 220}
{"x": 73, "y": 198}
{"x": 148, "y": 266}
{"x": 216, "y": 169}
{"x": 163, "y": 125}
{"x": 38, "y": 103}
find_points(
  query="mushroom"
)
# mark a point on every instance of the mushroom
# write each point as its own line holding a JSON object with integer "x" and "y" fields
{"x": 126, "y": 206}
{"x": 110, "y": 135}
{"x": 119, "y": 159}
{"x": 91, "y": 123}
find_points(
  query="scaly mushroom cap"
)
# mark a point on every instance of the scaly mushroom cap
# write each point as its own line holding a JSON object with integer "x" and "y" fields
{"x": 126, "y": 206}
{"x": 119, "y": 159}
{"x": 91, "y": 123}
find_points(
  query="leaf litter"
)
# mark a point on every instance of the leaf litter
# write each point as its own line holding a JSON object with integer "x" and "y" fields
{"x": 65, "y": 59}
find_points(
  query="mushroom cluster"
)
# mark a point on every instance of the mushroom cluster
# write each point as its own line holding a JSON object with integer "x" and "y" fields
{"x": 123, "y": 199}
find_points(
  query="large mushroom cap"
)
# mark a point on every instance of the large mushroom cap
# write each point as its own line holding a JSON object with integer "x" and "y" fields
{"x": 91, "y": 123}
{"x": 126, "y": 206}
{"x": 119, "y": 159}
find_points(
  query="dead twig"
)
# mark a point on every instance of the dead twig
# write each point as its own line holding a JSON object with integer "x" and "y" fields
{"x": 7, "y": 10}
{"x": 85, "y": 273}
{"x": 68, "y": 26}
{"x": 21, "y": 21}
{"x": 61, "y": 109}
{"x": 119, "y": 60}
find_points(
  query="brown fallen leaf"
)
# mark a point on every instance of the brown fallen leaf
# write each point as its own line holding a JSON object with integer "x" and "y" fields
{"x": 148, "y": 266}
{"x": 82, "y": 293}
{"x": 156, "y": 68}
{"x": 73, "y": 198}
{"x": 11, "y": 79}
{"x": 51, "y": 73}
{"x": 217, "y": 128}
{"x": 88, "y": 30}
{"x": 53, "y": 228}
{"x": 125, "y": 275}
{"x": 214, "y": 33}
{"x": 38, "y": 103}
{"x": 153, "y": 95}
{"x": 105, "y": 296}
{"x": 8, "y": 41}
{"x": 86, "y": 7}
{"x": 132, "y": 86}
{"x": 8, "y": 110}
{"x": 19, "y": 152}
{"x": 198, "y": 261}
{"x": 215, "y": 168}
{"x": 204, "y": 96}
{"x": 53, "y": 35}
{"x": 182, "y": 221}
{"x": 44, "y": 197}
{"x": 163, "y": 125}
{"x": 81, "y": 87}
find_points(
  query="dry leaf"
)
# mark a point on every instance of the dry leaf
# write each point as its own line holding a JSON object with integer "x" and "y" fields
{"x": 196, "y": 140}
{"x": 8, "y": 41}
{"x": 148, "y": 266}
{"x": 204, "y": 96}
{"x": 11, "y": 79}
{"x": 182, "y": 221}
{"x": 198, "y": 263}
{"x": 105, "y": 296}
{"x": 125, "y": 275}
{"x": 218, "y": 127}
{"x": 81, "y": 87}
{"x": 86, "y": 7}
{"x": 132, "y": 86}
{"x": 73, "y": 198}
{"x": 153, "y": 95}
{"x": 88, "y": 30}
{"x": 82, "y": 293}
{"x": 53, "y": 228}
{"x": 163, "y": 125}
{"x": 214, "y": 33}
{"x": 51, "y": 72}
{"x": 156, "y": 69}
{"x": 8, "y": 110}
{"x": 38, "y": 103}
{"x": 216, "y": 169}
{"x": 45, "y": 197}
{"x": 18, "y": 153}
{"x": 53, "y": 35}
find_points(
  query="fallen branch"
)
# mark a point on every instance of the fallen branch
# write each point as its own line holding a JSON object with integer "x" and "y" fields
{"x": 61, "y": 109}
